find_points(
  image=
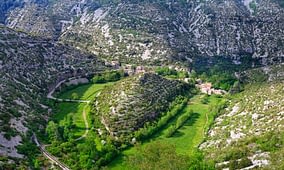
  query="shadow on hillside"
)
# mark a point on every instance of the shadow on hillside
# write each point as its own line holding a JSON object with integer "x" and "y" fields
{"x": 178, "y": 134}
{"x": 189, "y": 122}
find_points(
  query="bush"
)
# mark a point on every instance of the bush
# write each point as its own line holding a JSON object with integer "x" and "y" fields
{"x": 157, "y": 155}
{"x": 180, "y": 122}
{"x": 165, "y": 71}
{"x": 109, "y": 76}
{"x": 170, "y": 131}
{"x": 175, "y": 107}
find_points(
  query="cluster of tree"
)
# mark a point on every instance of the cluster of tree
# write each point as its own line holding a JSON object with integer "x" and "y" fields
{"x": 158, "y": 155}
{"x": 179, "y": 123}
{"x": 80, "y": 155}
{"x": 30, "y": 149}
{"x": 109, "y": 76}
{"x": 219, "y": 80}
{"x": 214, "y": 111}
{"x": 149, "y": 129}
{"x": 165, "y": 71}
{"x": 61, "y": 133}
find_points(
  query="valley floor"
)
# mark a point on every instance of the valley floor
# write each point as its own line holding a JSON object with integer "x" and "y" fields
{"x": 187, "y": 138}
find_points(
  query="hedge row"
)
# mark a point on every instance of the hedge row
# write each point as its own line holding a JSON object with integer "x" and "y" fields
{"x": 181, "y": 120}
{"x": 148, "y": 130}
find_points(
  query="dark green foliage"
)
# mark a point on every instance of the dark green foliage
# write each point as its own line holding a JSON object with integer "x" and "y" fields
{"x": 109, "y": 76}
{"x": 179, "y": 123}
{"x": 52, "y": 131}
{"x": 220, "y": 71}
{"x": 175, "y": 108}
{"x": 159, "y": 155}
{"x": 29, "y": 149}
{"x": 236, "y": 88}
{"x": 165, "y": 71}
{"x": 254, "y": 76}
{"x": 253, "y": 6}
{"x": 83, "y": 155}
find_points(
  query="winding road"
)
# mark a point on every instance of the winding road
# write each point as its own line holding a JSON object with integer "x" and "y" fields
{"x": 50, "y": 96}
{"x": 48, "y": 155}
{"x": 84, "y": 114}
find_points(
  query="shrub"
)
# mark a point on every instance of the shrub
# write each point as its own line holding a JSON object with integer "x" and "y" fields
{"x": 175, "y": 107}
{"x": 180, "y": 122}
{"x": 109, "y": 76}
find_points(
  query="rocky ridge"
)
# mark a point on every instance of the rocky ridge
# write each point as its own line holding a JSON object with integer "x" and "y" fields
{"x": 130, "y": 103}
{"x": 160, "y": 30}
{"x": 29, "y": 67}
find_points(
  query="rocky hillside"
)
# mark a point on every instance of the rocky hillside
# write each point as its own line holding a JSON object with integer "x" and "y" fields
{"x": 250, "y": 132}
{"x": 151, "y": 31}
{"x": 29, "y": 67}
{"x": 132, "y": 102}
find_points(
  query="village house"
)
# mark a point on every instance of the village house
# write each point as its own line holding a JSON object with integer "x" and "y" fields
{"x": 207, "y": 89}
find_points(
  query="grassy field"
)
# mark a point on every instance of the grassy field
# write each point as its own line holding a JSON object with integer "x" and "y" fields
{"x": 85, "y": 92}
{"x": 62, "y": 109}
{"x": 75, "y": 109}
{"x": 187, "y": 138}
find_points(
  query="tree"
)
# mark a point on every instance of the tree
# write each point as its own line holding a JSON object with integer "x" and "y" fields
{"x": 157, "y": 155}
{"x": 52, "y": 131}
{"x": 75, "y": 96}
{"x": 236, "y": 88}
{"x": 170, "y": 131}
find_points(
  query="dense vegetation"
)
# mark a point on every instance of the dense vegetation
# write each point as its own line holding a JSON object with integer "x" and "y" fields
{"x": 220, "y": 71}
{"x": 158, "y": 155}
{"x": 171, "y": 73}
{"x": 180, "y": 121}
{"x": 150, "y": 128}
{"x": 67, "y": 125}
{"x": 109, "y": 76}
{"x": 186, "y": 138}
{"x": 137, "y": 100}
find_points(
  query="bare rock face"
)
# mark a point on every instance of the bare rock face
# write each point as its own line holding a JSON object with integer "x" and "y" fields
{"x": 159, "y": 31}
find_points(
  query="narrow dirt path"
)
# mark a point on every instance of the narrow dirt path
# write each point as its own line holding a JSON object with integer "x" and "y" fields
{"x": 50, "y": 96}
{"x": 204, "y": 130}
{"x": 86, "y": 124}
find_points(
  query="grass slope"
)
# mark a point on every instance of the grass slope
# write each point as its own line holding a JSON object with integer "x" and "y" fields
{"x": 187, "y": 138}
{"x": 85, "y": 92}
{"x": 63, "y": 109}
